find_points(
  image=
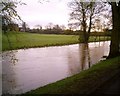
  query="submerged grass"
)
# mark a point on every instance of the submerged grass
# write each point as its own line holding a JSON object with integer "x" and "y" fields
{"x": 83, "y": 83}
{"x": 19, "y": 40}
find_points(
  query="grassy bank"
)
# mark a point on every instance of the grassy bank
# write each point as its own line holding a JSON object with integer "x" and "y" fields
{"x": 18, "y": 40}
{"x": 83, "y": 83}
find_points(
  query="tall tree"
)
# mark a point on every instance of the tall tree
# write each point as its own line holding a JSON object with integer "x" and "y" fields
{"x": 83, "y": 14}
{"x": 9, "y": 14}
{"x": 115, "y": 36}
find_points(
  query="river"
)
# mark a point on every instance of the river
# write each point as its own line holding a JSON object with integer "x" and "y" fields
{"x": 27, "y": 69}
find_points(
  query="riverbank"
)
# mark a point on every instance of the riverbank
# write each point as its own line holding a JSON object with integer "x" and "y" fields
{"x": 83, "y": 83}
{"x": 22, "y": 40}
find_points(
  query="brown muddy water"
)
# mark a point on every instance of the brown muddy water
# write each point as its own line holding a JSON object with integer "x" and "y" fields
{"x": 27, "y": 69}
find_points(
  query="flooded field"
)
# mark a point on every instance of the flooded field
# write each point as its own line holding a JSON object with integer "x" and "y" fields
{"x": 28, "y": 69}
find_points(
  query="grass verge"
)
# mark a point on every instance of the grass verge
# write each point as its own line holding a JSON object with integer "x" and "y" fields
{"x": 83, "y": 83}
{"x": 19, "y": 40}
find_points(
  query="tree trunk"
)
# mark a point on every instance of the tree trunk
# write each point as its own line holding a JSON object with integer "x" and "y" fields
{"x": 115, "y": 36}
{"x": 89, "y": 29}
{"x": 84, "y": 27}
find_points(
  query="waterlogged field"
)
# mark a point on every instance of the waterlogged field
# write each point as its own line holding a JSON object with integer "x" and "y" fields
{"x": 18, "y": 40}
{"x": 83, "y": 83}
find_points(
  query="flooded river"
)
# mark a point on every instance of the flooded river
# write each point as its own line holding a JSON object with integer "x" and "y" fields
{"x": 27, "y": 69}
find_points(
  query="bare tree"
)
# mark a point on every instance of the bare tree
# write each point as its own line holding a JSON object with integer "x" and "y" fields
{"x": 62, "y": 27}
{"x": 50, "y": 26}
{"x": 83, "y": 14}
{"x": 8, "y": 12}
{"x": 38, "y": 27}
{"x": 57, "y": 27}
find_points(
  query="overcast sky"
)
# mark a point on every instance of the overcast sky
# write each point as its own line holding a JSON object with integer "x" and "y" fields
{"x": 55, "y": 11}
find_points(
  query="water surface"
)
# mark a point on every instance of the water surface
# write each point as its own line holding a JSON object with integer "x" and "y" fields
{"x": 24, "y": 70}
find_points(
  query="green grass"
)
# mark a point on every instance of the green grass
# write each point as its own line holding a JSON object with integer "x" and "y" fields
{"x": 83, "y": 83}
{"x": 19, "y": 40}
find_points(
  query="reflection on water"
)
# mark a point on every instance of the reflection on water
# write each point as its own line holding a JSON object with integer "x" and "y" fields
{"x": 79, "y": 61}
{"x": 24, "y": 70}
{"x": 10, "y": 56}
